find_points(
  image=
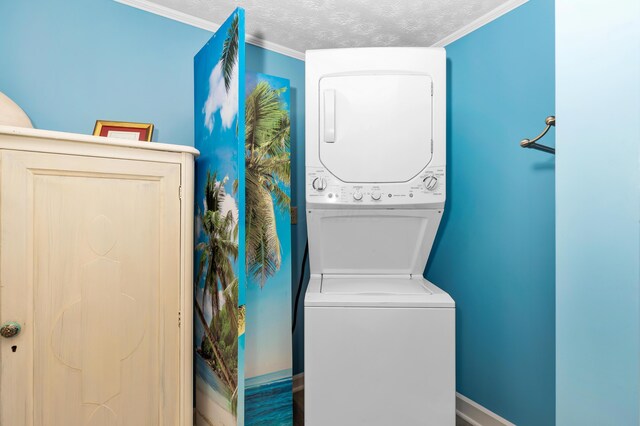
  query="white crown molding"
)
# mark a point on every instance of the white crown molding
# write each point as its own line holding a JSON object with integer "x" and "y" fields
{"x": 468, "y": 410}
{"x": 194, "y": 21}
{"x": 480, "y": 22}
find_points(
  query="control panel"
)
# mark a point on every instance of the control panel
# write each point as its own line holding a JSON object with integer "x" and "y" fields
{"x": 428, "y": 187}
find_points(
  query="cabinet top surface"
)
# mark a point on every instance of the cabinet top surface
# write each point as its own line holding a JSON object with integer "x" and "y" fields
{"x": 88, "y": 139}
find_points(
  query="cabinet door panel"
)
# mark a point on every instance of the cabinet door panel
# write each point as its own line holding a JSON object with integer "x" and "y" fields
{"x": 89, "y": 265}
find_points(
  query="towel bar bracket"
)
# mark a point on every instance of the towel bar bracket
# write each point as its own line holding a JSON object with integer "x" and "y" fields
{"x": 531, "y": 143}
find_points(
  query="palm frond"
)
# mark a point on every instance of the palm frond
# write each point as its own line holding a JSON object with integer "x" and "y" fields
{"x": 235, "y": 186}
{"x": 281, "y": 197}
{"x": 230, "y": 52}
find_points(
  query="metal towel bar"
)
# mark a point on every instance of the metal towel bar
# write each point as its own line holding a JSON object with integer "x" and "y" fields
{"x": 531, "y": 143}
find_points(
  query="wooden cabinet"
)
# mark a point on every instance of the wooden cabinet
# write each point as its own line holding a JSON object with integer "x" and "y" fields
{"x": 96, "y": 268}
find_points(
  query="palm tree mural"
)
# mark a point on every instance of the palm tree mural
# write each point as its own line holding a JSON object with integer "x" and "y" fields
{"x": 217, "y": 255}
{"x": 267, "y": 142}
{"x": 217, "y": 248}
{"x": 267, "y": 176}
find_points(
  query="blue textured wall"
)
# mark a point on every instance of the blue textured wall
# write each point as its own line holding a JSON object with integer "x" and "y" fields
{"x": 495, "y": 249}
{"x": 68, "y": 63}
{"x": 598, "y": 213}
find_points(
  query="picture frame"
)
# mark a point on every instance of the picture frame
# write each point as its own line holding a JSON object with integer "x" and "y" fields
{"x": 124, "y": 130}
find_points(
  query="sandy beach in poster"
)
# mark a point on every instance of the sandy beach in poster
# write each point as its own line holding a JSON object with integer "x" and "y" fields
{"x": 216, "y": 415}
{"x": 212, "y": 407}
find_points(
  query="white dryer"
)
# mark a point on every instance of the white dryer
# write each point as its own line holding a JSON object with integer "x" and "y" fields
{"x": 379, "y": 338}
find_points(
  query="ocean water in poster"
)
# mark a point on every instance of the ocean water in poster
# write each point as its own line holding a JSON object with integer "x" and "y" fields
{"x": 219, "y": 264}
{"x": 267, "y": 357}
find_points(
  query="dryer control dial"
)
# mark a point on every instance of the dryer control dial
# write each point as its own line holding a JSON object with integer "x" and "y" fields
{"x": 319, "y": 184}
{"x": 375, "y": 195}
{"x": 430, "y": 183}
{"x": 357, "y": 195}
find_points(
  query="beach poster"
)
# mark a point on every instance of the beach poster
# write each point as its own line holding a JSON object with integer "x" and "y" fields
{"x": 219, "y": 263}
{"x": 267, "y": 356}
{"x": 242, "y": 262}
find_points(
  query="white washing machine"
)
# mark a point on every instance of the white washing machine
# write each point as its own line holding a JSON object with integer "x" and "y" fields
{"x": 379, "y": 338}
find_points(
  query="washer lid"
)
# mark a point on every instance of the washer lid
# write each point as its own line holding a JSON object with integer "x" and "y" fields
{"x": 376, "y": 127}
{"x": 375, "y": 291}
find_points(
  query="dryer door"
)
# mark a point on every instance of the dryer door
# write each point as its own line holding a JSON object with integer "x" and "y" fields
{"x": 376, "y": 128}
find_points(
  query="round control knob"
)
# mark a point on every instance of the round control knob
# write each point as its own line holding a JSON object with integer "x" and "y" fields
{"x": 375, "y": 195}
{"x": 357, "y": 195}
{"x": 430, "y": 183}
{"x": 319, "y": 184}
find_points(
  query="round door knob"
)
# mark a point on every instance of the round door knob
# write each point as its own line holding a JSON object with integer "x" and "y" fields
{"x": 10, "y": 329}
{"x": 430, "y": 183}
{"x": 375, "y": 195}
{"x": 319, "y": 184}
{"x": 357, "y": 195}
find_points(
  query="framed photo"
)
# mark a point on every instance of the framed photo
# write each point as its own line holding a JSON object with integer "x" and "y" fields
{"x": 124, "y": 130}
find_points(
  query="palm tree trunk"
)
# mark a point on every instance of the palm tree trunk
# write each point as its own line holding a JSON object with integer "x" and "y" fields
{"x": 233, "y": 314}
{"x": 232, "y": 311}
{"x": 225, "y": 371}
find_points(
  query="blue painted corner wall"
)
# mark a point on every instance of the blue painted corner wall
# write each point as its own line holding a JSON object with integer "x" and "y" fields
{"x": 495, "y": 250}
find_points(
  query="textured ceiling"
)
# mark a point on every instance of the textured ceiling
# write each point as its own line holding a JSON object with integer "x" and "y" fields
{"x": 314, "y": 24}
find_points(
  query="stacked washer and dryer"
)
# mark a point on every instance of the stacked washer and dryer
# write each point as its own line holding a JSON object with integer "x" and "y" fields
{"x": 379, "y": 338}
